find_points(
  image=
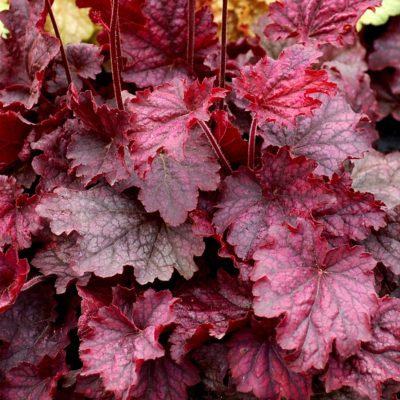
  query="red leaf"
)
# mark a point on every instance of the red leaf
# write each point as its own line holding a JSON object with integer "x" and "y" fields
{"x": 28, "y": 330}
{"x": 13, "y": 130}
{"x": 353, "y": 214}
{"x": 384, "y": 245}
{"x": 84, "y": 61}
{"x": 348, "y": 69}
{"x": 98, "y": 147}
{"x": 18, "y": 219}
{"x": 229, "y": 138}
{"x": 156, "y": 51}
{"x": 386, "y": 51}
{"x": 325, "y": 295}
{"x": 206, "y": 309}
{"x": 115, "y": 231}
{"x": 54, "y": 259}
{"x": 164, "y": 118}
{"x": 257, "y": 365}
{"x": 377, "y": 361}
{"x": 13, "y": 273}
{"x": 172, "y": 187}
{"x": 31, "y": 382}
{"x": 20, "y": 82}
{"x": 53, "y": 165}
{"x": 282, "y": 189}
{"x": 162, "y": 379}
{"x": 279, "y": 90}
{"x": 321, "y": 21}
{"x": 379, "y": 174}
{"x": 111, "y": 335}
{"x": 329, "y": 137}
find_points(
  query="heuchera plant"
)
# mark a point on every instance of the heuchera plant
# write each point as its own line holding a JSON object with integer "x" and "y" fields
{"x": 187, "y": 218}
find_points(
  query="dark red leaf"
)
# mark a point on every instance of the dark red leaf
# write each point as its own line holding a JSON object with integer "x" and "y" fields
{"x": 31, "y": 382}
{"x": 229, "y": 138}
{"x": 250, "y": 204}
{"x": 18, "y": 219}
{"x": 164, "y": 118}
{"x": 325, "y": 295}
{"x": 115, "y": 231}
{"x": 55, "y": 258}
{"x": 172, "y": 187}
{"x": 13, "y": 273}
{"x": 109, "y": 335}
{"x": 384, "y": 245}
{"x": 98, "y": 146}
{"x": 280, "y": 90}
{"x": 84, "y": 61}
{"x": 321, "y": 21}
{"x": 13, "y": 130}
{"x": 28, "y": 330}
{"x": 348, "y": 69}
{"x": 330, "y": 136}
{"x": 206, "y": 309}
{"x": 386, "y": 51}
{"x": 257, "y": 365}
{"x": 353, "y": 214}
{"x": 377, "y": 361}
{"x": 163, "y": 379}
{"x": 21, "y": 81}
{"x": 53, "y": 164}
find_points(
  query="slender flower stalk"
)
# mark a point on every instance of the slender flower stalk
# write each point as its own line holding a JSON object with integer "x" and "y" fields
{"x": 215, "y": 146}
{"x": 251, "y": 152}
{"x": 115, "y": 61}
{"x": 222, "y": 68}
{"x": 62, "y": 50}
{"x": 191, "y": 33}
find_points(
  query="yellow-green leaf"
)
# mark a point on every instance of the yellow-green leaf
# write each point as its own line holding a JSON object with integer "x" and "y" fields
{"x": 73, "y": 23}
{"x": 3, "y": 30}
{"x": 389, "y": 8}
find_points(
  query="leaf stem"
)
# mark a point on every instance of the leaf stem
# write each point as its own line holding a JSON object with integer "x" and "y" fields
{"x": 191, "y": 33}
{"x": 115, "y": 62}
{"x": 222, "y": 68}
{"x": 62, "y": 50}
{"x": 251, "y": 150}
{"x": 215, "y": 146}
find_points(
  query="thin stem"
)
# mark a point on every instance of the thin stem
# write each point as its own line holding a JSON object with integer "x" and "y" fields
{"x": 119, "y": 51}
{"x": 115, "y": 62}
{"x": 222, "y": 68}
{"x": 251, "y": 150}
{"x": 191, "y": 33}
{"x": 215, "y": 146}
{"x": 62, "y": 50}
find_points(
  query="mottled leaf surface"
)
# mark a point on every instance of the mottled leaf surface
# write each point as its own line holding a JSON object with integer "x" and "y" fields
{"x": 164, "y": 116}
{"x": 329, "y": 136}
{"x": 379, "y": 174}
{"x": 115, "y": 231}
{"x": 325, "y": 295}
{"x": 377, "y": 361}
{"x": 172, "y": 187}
{"x": 320, "y": 21}
{"x": 110, "y": 334}
{"x": 281, "y": 190}
{"x": 384, "y": 245}
{"x": 281, "y": 90}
